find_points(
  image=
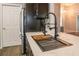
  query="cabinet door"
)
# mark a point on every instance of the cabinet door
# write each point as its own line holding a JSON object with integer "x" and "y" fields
{"x": 11, "y": 28}
{"x": 42, "y": 9}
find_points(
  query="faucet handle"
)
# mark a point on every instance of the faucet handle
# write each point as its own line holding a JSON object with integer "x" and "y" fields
{"x": 50, "y": 24}
{"x": 51, "y": 27}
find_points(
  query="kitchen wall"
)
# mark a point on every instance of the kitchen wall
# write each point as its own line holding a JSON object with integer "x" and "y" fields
{"x": 70, "y": 11}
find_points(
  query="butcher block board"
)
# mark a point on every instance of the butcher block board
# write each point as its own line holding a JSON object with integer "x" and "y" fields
{"x": 41, "y": 37}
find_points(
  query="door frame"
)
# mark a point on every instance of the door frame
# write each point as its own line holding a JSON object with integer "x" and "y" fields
{"x": 13, "y": 5}
{"x": 1, "y": 27}
{"x": 77, "y": 23}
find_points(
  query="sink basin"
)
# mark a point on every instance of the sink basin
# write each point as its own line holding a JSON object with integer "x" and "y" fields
{"x": 49, "y": 43}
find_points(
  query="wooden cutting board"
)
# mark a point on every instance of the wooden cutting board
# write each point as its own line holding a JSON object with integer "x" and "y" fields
{"x": 41, "y": 37}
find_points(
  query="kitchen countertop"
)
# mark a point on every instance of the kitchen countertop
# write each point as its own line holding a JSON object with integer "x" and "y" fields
{"x": 65, "y": 51}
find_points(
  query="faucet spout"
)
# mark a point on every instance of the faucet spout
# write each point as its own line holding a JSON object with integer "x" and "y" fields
{"x": 55, "y": 33}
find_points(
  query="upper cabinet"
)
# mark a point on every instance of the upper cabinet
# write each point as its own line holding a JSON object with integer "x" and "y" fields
{"x": 41, "y": 9}
{"x": 32, "y": 11}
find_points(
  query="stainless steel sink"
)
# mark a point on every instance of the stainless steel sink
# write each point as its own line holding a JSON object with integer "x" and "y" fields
{"x": 52, "y": 44}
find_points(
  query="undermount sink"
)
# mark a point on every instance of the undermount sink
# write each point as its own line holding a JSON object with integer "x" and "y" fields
{"x": 47, "y": 43}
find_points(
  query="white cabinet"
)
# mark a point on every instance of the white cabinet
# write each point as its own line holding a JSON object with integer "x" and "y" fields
{"x": 10, "y": 25}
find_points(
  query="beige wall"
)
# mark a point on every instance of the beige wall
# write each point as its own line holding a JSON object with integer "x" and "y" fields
{"x": 69, "y": 17}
